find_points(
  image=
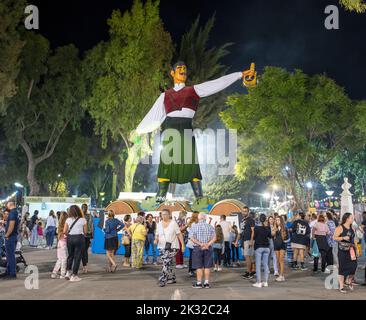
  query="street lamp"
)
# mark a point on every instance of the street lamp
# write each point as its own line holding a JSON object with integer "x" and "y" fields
{"x": 329, "y": 193}
{"x": 266, "y": 195}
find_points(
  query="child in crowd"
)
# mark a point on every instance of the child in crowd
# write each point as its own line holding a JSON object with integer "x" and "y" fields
{"x": 218, "y": 248}
{"x": 61, "y": 249}
{"x": 234, "y": 242}
{"x": 40, "y": 234}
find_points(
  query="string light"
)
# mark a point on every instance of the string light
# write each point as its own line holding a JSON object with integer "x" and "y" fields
{"x": 2, "y": 202}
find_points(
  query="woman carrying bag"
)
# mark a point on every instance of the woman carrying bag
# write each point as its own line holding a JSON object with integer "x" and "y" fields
{"x": 167, "y": 237}
{"x": 75, "y": 229}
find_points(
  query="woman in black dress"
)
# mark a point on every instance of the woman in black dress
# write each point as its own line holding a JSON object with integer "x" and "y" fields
{"x": 347, "y": 252}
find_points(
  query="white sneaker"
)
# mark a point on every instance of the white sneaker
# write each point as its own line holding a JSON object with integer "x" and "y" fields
{"x": 185, "y": 266}
{"x": 219, "y": 269}
{"x": 68, "y": 275}
{"x": 215, "y": 269}
{"x": 54, "y": 275}
{"x": 327, "y": 271}
{"x": 257, "y": 285}
{"x": 276, "y": 274}
{"x": 265, "y": 284}
{"x": 62, "y": 277}
{"x": 179, "y": 266}
{"x": 75, "y": 278}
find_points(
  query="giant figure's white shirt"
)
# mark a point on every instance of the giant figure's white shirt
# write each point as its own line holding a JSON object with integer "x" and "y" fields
{"x": 156, "y": 116}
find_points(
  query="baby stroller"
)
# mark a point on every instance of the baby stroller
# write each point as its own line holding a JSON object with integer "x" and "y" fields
{"x": 19, "y": 259}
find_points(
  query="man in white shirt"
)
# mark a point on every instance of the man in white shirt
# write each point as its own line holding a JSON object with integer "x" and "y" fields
{"x": 226, "y": 228}
{"x": 174, "y": 111}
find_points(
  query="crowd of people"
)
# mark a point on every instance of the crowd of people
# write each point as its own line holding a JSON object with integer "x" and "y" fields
{"x": 266, "y": 242}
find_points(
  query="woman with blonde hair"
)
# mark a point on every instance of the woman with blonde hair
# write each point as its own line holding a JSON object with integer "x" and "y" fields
{"x": 61, "y": 249}
{"x": 112, "y": 227}
{"x": 280, "y": 238}
{"x": 137, "y": 233}
{"x": 192, "y": 220}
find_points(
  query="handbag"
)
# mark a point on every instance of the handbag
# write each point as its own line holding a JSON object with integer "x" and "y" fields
{"x": 168, "y": 245}
{"x": 125, "y": 240}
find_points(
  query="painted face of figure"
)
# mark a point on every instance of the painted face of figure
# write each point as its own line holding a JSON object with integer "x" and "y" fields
{"x": 179, "y": 74}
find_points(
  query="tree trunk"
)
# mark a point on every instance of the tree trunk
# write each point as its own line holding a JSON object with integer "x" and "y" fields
{"x": 31, "y": 178}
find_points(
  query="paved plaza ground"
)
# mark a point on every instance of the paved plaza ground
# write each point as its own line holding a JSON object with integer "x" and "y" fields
{"x": 142, "y": 285}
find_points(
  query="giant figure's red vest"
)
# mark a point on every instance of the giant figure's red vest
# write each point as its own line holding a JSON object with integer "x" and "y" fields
{"x": 184, "y": 98}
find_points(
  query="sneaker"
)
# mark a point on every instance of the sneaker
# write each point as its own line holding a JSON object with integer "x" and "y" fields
{"x": 265, "y": 284}
{"x": 54, "y": 275}
{"x": 62, "y": 277}
{"x": 75, "y": 278}
{"x": 155, "y": 263}
{"x": 238, "y": 264}
{"x": 68, "y": 275}
{"x": 303, "y": 268}
{"x": 191, "y": 274}
{"x": 206, "y": 285}
{"x": 342, "y": 290}
{"x": 171, "y": 281}
{"x": 246, "y": 275}
{"x": 251, "y": 275}
{"x": 185, "y": 266}
{"x": 276, "y": 274}
{"x": 219, "y": 269}
{"x": 215, "y": 269}
{"x": 327, "y": 271}
{"x": 278, "y": 279}
{"x": 257, "y": 285}
{"x": 179, "y": 266}
{"x": 197, "y": 285}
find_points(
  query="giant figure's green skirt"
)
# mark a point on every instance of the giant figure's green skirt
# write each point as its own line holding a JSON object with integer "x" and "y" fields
{"x": 178, "y": 158}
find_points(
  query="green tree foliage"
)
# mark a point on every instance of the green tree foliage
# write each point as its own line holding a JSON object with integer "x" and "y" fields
{"x": 204, "y": 63}
{"x": 351, "y": 164}
{"x": 134, "y": 65}
{"x": 50, "y": 89}
{"x": 11, "y": 13}
{"x": 358, "y": 6}
{"x": 294, "y": 121}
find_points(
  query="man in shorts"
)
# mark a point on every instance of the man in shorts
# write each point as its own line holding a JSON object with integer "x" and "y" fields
{"x": 203, "y": 237}
{"x": 247, "y": 228}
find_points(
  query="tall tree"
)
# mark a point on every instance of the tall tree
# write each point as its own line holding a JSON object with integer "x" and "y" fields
{"x": 204, "y": 63}
{"x": 291, "y": 126}
{"x": 358, "y": 6}
{"x": 135, "y": 64}
{"x": 11, "y": 44}
{"x": 47, "y": 102}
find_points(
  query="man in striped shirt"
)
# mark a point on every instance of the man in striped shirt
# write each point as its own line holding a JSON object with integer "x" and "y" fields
{"x": 203, "y": 236}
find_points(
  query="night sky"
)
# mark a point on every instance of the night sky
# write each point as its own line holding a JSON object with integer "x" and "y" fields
{"x": 285, "y": 33}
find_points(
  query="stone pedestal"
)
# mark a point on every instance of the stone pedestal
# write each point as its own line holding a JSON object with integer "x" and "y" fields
{"x": 346, "y": 198}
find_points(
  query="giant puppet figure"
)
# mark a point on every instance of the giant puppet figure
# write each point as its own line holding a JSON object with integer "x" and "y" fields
{"x": 175, "y": 109}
